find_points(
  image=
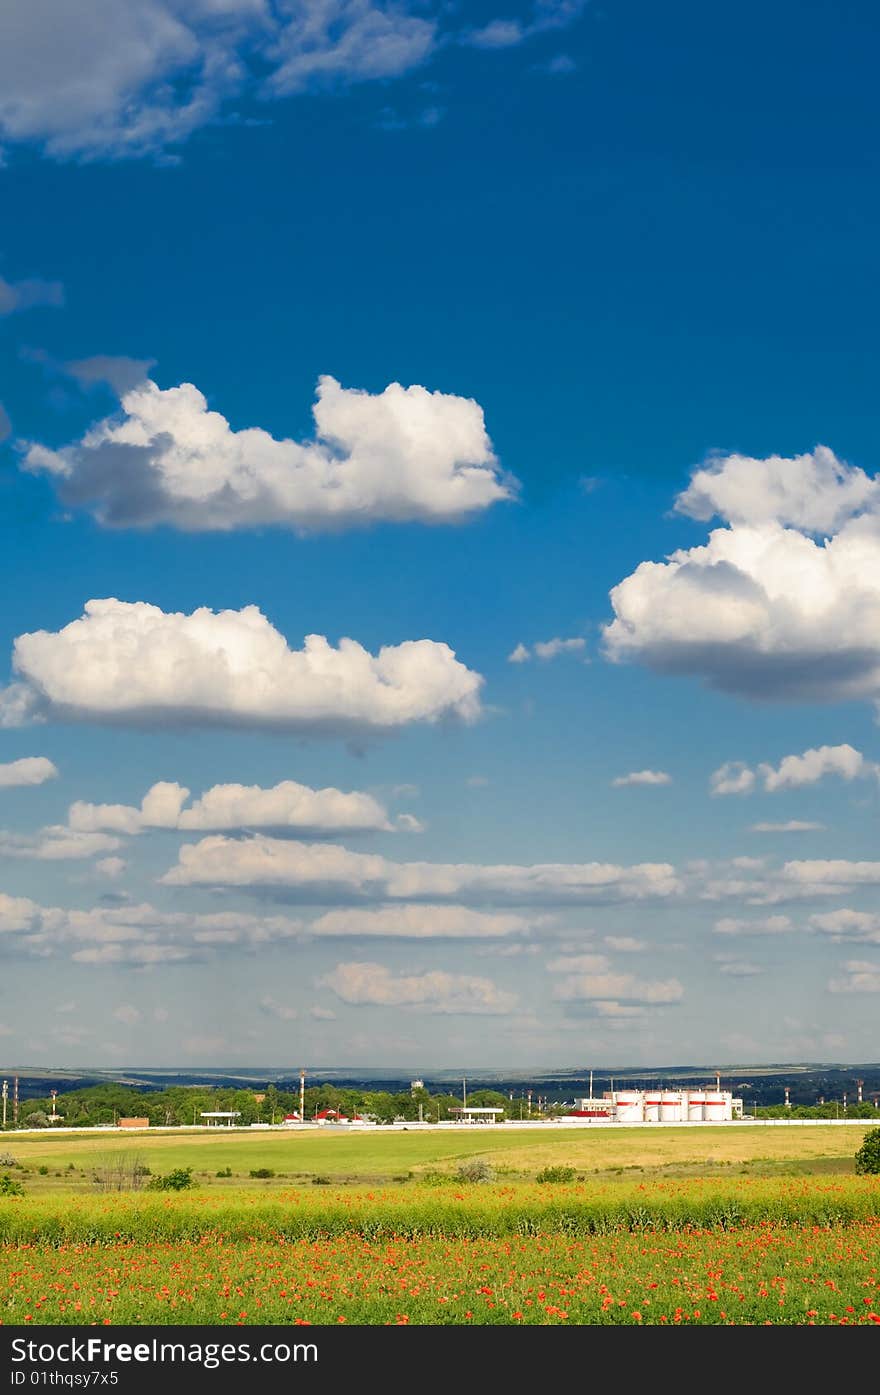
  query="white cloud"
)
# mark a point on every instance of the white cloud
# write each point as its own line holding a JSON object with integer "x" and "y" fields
{"x": 402, "y": 455}
{"x": 830, "y": 875}
{"x": 56, "y": 843}
{"x": 421, "y": 923}
{"x": 862, "y": 976}
{"x": 127, "y": 1014}
{"x": 737, "y": 968}
{"x": 793, "y": 772}
{"x": 287, "y": 805}
{"x": 322, "y": 1014}
{"x": 578, "y": 964}
{"x": 326, "y": 869}
{"x": 790, "y": 826}
{"x": 135, "y": 934}
{"x": 283, "y": 1011}
{"x": 587, "y": 987}
{"x": 626, "y": 944}
{"x": 642, "y": 777}
{"x": 608, "y": 1007}
{"x": 815, "y": 492}
{"x": 123, "y": 662}
{"x": 769, "y": 925}
{"x": 30, "y": 770}
{"x": 763, "y": 610}
{"x": 796, "y": 771}
{"x": 111, "y": 867}
{"x": 846, "y": 924}
{"x": 436, "y": 991}
{"x": 732, "y": 778}
{"x": 546, "y": 649}
{"x": 503, "y": 33}
{"x": 24, "y": 295}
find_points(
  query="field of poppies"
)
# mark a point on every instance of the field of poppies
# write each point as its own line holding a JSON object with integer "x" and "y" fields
{"x": 788, "y": 1251}
{"x": 756, "y": 1274}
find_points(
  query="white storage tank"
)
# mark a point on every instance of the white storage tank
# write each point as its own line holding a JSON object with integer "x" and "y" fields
{"x": 696, "y": 1106}
{"x": 670, "y": 1107}
{"x": 630, "y": 1107}
{"x": 716, "y": 1108}
{"x": 652, "y": 1109}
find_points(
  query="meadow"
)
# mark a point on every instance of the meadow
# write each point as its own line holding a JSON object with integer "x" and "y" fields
{"x": 381, "y": 1155}
{"x": 773, "y": 1228}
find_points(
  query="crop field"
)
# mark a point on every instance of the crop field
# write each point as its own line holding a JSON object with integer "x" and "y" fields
{"x": 772, "y": 1230}
{"x": 380, "y": 1155}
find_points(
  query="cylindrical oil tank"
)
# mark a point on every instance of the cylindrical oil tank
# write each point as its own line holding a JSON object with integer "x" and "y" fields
{"x": 630, "y": 1107}
{"x": 716, "y": 1108}
{"x": 696, "y": 1106}
{"x": 670, "y": 1107}
{"x": 652, "y": 1109}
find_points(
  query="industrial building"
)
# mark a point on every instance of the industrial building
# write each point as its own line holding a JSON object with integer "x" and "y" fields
{"x": 660, "y": 1107}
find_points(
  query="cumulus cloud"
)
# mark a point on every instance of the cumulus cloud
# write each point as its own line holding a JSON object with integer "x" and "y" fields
{"x": 123, "y": 662}
{"x": 287, "y": 805}
{"x": 642, "y": 777}
{"x": 24, "y": 295}
{"x": 846, "y": 924}
{"x": 626, "y": 944}
{"x": 435, "y": 992}
{"x": 402, "y": 455}
{"x": 111, "y": 867}
{"x": 737, "y": 968}
{"x": 790, "y": 826}
{"x": 617, "y": 987}
{"x": 283, "y": 1011}
{"x": 133, "y": 934}
{"x": 421, "y": 923}
{"x": 763, "y": 609}
{"x": 793, "y": 772}
{"x": 732, "y": 778}
{"x": 128, "y": 1014}
{"x": 546, "y": 649}
{"x": 862, "y": 976}
{"x": 768, "y": 925}
{"x": 30, "y": 770}
{"x": 106, "y": 80}
{"x": 56, "y": 843}
{"x": 814, "y": 492}
{"x": 325, "y": 870}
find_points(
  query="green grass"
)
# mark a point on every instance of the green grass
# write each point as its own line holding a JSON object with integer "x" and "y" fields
{"x": 382, "y": 1155}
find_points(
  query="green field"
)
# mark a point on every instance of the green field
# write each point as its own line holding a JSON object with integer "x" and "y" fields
{"x": 666, "y": 1226}
{"x": 380, "y": 1156}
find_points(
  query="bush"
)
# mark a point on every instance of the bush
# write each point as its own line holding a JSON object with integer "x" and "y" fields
{"x": 868, "y": 1156}
{"x": 43, "y": 1171}
{"x": 9, "y": 1186}
{"x": 262, "y": 1172}
{"x": 557, "y": 1174}
{"x": 475, "y": 1170}
{"x": 7, "y": 1160}
{"x": 224, "y": 1172}
{"x": 177, "y": 1181}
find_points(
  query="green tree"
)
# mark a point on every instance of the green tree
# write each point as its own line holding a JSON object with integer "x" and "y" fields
{"x": 868, "y": 1156}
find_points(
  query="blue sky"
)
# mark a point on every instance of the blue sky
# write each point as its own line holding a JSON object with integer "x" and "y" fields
{"x": 620, "y": 261}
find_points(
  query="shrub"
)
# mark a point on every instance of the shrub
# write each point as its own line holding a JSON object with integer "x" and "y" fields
{"x": 9, "y": 1186}
{"x": 322, "y": 1181}
{"x": 177, "y": 1181}
{"x": 224, "y": 1172}
{"x": 43, "y": 1171}
{"x": 120, "y": 1172}
{"x": 7, "y": 1160}
{"x": 262, "y": 1172}
{"x": 556, "y": 1174}
{"x": 868, "y": 1156}
{"x": 475, "y": 1170}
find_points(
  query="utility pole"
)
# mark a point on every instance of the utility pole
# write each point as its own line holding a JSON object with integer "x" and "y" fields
{"x": 464, "y": 1092}
{"x": 5, "y": 1098}
{"x": 302, "y": 1095}
{"x": 15, "y": 1100}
